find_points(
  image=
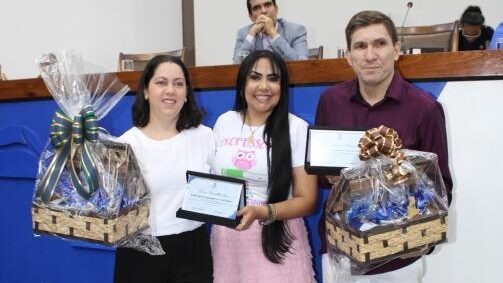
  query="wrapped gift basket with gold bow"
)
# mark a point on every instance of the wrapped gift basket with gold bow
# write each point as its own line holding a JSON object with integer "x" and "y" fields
{"x": 89, "y": 186}
{"x": 394, "y": 204}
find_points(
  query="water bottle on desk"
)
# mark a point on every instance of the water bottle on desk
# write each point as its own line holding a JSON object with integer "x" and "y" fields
{"x": 341, "y": 52}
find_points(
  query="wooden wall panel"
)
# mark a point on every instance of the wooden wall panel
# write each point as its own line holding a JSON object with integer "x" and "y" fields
{"x": 465, "y": 65}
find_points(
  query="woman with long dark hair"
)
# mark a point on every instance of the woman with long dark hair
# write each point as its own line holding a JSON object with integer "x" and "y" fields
{"x": 168, "y": 139}
{"x": 262, "y": 142}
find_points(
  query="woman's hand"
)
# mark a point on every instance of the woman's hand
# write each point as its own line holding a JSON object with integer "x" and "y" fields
{"x": 249, "y": 214}
{"x": 302, "y": 203}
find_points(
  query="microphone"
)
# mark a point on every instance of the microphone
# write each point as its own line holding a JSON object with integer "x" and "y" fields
{"x": 402, "y": 42}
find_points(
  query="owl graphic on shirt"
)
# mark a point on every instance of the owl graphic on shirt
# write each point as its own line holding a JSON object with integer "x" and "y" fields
{"x": 244, "y": 159}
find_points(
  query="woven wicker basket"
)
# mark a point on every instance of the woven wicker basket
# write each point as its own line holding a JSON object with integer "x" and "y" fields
{"x": 122, "y": 170}
{"x": 386, "y": 242}
{"x": 96, "y": 229}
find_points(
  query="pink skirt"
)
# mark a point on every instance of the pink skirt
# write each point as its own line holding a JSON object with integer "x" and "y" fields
{"x": 238, "y": 256}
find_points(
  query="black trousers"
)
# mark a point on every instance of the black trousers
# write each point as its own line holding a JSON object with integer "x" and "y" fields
{"x": 187, "y": 259}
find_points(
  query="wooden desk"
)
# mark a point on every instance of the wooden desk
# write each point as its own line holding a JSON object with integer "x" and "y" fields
{"x": 473, "y": 117}
{"x": 465, "y": 65}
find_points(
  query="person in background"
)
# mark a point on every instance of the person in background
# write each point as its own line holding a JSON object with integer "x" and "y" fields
{"x": 266, "y": 31}
{"x": 168, "y": 139}
{"x": 262, "y": 142}
{"x": 380, "y": 96}
{"x": 474, "y": 35}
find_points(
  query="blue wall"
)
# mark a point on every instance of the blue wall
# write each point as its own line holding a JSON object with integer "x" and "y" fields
{"x": 23, "y": 134}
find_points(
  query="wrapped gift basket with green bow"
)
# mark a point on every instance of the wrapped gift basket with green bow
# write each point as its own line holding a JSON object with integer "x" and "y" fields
{"x": 89, "y": 185}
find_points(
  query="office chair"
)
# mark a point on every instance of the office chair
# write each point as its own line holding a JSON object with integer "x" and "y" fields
{"x": 137, "y": 62}
{"x": 434, "y": 38}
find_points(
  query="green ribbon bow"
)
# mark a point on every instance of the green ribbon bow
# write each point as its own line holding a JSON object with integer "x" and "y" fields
{"x": 67, "y": 137}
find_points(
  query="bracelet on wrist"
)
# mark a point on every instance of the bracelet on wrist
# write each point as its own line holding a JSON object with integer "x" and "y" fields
{"x": 271, "y": 215}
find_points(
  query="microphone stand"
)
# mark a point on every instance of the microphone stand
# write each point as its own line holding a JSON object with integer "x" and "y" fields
{"x": 402, "y": 41}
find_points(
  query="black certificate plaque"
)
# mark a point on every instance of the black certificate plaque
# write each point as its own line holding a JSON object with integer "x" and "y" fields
{"x": 213, "y": 199}
{"x": 328, "y": 150}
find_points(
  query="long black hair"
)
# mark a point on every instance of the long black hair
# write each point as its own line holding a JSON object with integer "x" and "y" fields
{"x": 190, "y": 115}
{"x": 276, "y": 237}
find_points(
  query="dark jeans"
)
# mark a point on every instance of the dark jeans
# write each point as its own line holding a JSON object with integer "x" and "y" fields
{"x": 187, "y": 259}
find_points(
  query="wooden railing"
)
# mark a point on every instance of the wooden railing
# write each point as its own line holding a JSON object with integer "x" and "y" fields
{"x": 466, "y": 65}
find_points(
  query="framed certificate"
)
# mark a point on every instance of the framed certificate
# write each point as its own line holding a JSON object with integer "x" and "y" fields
{"x": 328, "y": 150}
{"x": 213, "y": 199}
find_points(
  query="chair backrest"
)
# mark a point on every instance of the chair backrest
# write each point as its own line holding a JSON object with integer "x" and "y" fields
{"x": 316, "y": 53}
{"x": 441, "y": 37}
{"x": 137, "y": 62}
{"x": 3, "y": 77}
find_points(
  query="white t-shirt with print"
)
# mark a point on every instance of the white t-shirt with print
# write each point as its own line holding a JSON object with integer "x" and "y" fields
{"x": 163, "y": 165}
{"x": 239, "y": 156}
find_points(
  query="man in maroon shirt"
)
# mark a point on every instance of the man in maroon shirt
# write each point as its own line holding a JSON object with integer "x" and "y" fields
{"x": 379, "y": 96}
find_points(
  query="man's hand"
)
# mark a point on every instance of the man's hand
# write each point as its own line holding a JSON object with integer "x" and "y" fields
{"x": 332, "y": 179}
{"x": 256, "y": 28}
{"x": 269, "y": 27}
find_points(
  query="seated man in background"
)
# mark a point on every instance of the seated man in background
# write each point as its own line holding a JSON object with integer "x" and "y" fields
{"x": 474, "y": 35}
{"x": 380, "y": 96}
{"x": 287, "y": 39}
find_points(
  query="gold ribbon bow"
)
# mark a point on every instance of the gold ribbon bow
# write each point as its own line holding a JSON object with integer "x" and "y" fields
{"x": 385, "y": 141}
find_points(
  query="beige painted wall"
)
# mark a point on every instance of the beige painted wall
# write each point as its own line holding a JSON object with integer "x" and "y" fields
{"x": 97, "y": 29}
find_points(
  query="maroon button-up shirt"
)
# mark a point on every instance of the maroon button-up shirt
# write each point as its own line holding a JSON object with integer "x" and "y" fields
{"x": 415, "y": 115}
